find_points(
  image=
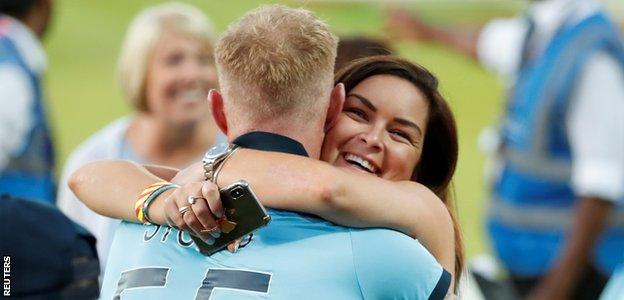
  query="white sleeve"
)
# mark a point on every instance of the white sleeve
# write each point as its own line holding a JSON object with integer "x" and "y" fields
{"x": 596, "y": 130}
{"x": 16, "y": 100}
{"x": 499, "y": 46}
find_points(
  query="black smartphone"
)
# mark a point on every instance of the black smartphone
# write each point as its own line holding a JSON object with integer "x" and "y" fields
{"x": 244, "y": 214}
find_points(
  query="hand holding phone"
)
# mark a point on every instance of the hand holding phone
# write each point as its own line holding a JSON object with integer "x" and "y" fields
{"x": 243, "y": 214}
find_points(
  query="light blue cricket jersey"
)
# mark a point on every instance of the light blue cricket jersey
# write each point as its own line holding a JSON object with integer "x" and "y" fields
{"x": 295, "y": 257}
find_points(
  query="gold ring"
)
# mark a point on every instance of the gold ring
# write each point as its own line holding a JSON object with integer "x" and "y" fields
{"x": 209, "y": 230}
{"x": 184, "y": 209}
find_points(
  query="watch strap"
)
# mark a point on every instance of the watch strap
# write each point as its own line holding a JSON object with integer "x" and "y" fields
{"x": 222, "y": 163}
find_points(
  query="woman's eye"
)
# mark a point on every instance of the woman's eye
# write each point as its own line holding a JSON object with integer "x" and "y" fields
{"x": 356, "y": 113}
{"x": 174, "y": 60}
{"x": 401, "y": 135}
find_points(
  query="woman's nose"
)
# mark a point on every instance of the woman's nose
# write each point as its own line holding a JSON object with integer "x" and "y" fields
{"x": 373, "y": 138}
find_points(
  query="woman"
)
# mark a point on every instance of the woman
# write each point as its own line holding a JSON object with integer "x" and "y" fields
{"x": 165, "y": 71}
{"x": 394, "y": 125}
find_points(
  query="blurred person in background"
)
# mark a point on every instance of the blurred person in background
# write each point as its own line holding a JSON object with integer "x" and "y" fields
{"x": 26, "y": 152}
{"x": 354, "y": 47}
{"x": 554, "y": 218}
{"x": 166, "y": 68}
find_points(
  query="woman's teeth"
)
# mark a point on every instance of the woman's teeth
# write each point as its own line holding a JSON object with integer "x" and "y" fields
{"x": 360, "y": 162}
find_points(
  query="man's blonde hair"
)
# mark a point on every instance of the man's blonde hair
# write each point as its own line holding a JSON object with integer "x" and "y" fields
{"x": 142, "y": 36}
{"x": 275, "y": 61}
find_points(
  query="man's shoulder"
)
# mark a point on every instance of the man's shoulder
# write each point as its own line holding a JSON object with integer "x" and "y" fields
{"x": 390, "y": 247}
{"x": 388, "y": 262}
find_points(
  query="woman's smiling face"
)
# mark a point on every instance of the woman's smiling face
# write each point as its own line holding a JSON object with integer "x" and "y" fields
{"x": 181, "y": 71}
{"x": 381, "y": 129}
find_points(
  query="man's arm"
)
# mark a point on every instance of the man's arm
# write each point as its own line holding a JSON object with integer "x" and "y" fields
{"x": 589, "y": 221}
{"x": 410, "y": 26}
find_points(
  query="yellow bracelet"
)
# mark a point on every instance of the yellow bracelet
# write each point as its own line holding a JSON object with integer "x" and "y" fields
{"x": 144, "y": 195}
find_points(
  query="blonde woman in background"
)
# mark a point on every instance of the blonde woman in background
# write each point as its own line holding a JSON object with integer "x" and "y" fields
{"x": 166, "y": 68}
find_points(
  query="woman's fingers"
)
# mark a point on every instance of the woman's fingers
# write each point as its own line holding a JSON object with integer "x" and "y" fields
{"x": 172, "y": 212}
{"x": 205, "y": 217}
{"x": 233, "y": 246}
{"x": 212, "y": 196}
{"x": 196, "y": 227}
{"x": 193, "y": 208}
{"x": 189, "y": 194}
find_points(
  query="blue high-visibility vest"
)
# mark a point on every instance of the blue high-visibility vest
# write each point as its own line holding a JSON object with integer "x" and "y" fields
{"x": 533, "y": 198}
{"x": 29, "y": 173}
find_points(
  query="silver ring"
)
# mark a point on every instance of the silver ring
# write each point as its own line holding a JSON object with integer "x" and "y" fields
{"x": 193, "y": 199}
{"x": 184, "y": 209}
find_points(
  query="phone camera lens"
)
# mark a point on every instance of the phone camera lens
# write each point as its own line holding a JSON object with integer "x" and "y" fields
{"x": 237, "y": 193}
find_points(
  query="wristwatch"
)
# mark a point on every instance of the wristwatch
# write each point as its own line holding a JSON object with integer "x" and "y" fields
{"x": 214, "y": 159}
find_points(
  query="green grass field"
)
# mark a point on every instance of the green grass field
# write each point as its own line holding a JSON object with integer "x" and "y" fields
{"x": 86, "y": 36}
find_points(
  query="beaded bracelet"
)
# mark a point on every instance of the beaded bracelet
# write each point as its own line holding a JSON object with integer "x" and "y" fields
{"x": 147, "y": 197}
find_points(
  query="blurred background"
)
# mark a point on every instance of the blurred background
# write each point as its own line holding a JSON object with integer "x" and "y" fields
{"x": 85, "y": 39}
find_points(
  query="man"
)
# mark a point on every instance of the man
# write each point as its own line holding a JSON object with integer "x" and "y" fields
{"x": 562, "y": 144}
{"x": 276, "y": 74}
{"x": 26, "y": 157}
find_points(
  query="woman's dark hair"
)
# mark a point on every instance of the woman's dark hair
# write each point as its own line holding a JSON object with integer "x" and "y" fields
{"x": 440, "y": 150}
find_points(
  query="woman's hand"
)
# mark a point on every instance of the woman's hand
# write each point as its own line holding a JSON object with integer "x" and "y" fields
{"x": 196, "y": 207}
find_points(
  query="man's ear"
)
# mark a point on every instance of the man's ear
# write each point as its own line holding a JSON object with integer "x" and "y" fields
{"x": 215, "y": 101}
{"x": 336, "y": 101}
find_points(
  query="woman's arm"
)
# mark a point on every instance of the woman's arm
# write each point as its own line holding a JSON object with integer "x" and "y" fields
{"x": 286, "y": 182}
{"x": 345, "y": 197}
{"x": 111, "y": 187}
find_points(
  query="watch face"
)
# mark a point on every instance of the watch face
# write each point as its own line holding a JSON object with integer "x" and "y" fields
{"x": 217, "y": 150}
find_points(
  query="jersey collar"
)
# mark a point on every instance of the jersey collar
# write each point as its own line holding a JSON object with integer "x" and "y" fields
{"x": 267, "y": 141}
